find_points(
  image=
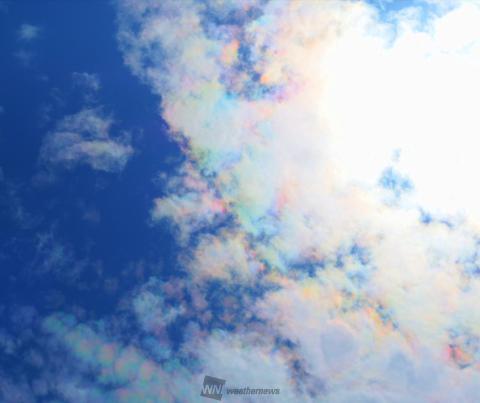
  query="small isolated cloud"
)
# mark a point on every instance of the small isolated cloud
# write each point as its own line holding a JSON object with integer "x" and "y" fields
{"x": 12, "y": 205}
{"x": 91, "y": 215}
{"x": 87, "y": 81}
{"x": 54, "y": 256}
{"x": 24, "y": 57}
{"x": 28, "y": 32}
{"x": 84, "y": 138}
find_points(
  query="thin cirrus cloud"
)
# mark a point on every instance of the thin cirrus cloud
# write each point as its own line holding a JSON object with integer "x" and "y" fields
{"x": 326, "y": 207}
{"x": 28, "y": 32}
{"x": 85, "y": 138}
{"x": 89, "y": 82}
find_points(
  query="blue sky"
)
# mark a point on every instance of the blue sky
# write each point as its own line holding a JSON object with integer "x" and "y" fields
{"x": 81, "y": 239}
{"x": 277, "y": 194}
{"x": 89, "y": 213}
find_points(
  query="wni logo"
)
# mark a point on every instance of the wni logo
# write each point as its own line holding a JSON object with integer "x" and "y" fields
{"x": 212, "y": 387}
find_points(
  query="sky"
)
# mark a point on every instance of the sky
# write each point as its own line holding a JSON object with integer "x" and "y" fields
{"x": 279, "y": 194}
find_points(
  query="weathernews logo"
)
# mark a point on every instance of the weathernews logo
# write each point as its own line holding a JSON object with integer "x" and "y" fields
{"x": 213, "y": 389}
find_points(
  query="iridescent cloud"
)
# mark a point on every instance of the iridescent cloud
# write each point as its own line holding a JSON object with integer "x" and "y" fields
{"x": 327, "y": 208}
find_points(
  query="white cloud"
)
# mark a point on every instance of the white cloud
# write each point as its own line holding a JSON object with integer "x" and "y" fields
{"x": 88, "y": 81}
{"x": 84, "y": 138}
{"x": 28, "y": 32}
{"x": 354, "y": 300}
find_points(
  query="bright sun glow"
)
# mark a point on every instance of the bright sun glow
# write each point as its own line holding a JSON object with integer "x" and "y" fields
{"x": 416, "y": 97}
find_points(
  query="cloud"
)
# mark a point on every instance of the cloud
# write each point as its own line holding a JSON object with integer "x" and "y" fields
{"x": 13, "y": 205}
{"x": 28, "y": 32}
{"x": 25, "y": 57}
{"x": 87, "y": 80}
{"x": 84, "y": 138}
{"x": 190, "y": 204}
{"x": 316, "y": 134}
{"x": 91, "y": 214}
{"x": 55, "y": 257}
{"x": 326, "y": 211}
{"x": 89, "y": 84}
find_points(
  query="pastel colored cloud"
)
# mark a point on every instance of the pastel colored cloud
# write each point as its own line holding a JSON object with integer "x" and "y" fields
{"x": 84, "y": 138}
{"x": 326, "y": 209}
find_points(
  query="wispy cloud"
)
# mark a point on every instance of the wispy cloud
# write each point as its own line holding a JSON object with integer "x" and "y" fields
{"x": 28, "y": 32}
{"x": 25, "y": 57}
{"x": 293, "y": 114}
{"x": 12, "y": 203}
{"x": 89, "y": 83}
{"x": 84, "y": 138}
{"x": 296, "y": 270}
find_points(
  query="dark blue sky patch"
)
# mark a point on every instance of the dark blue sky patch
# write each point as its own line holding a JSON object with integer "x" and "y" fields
{"x": 308, "y": 267}
{"x": 76, "y": 238}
